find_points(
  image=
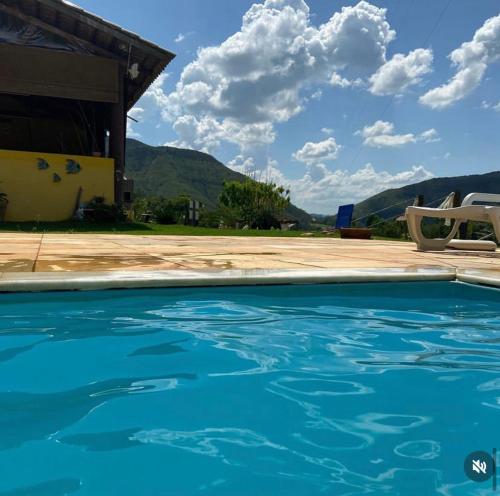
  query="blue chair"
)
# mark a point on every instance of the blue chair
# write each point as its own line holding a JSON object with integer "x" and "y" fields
{"x": 344, "y": 216}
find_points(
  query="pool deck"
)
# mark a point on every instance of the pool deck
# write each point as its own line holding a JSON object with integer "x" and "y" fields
{"x": 56, "y": 257}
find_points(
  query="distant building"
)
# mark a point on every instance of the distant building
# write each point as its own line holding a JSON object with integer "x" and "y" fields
{"x": 67, "y": 80}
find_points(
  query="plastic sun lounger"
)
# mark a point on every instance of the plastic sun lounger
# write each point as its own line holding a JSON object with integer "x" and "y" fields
{"x": 467, "y": 211}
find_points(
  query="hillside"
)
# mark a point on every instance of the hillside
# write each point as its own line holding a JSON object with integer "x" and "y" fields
{"x": 432, "y": 189}
{"x": 168, "y": 171}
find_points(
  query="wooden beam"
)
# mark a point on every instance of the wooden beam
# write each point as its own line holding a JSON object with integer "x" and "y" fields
{"x": 59, "y": 32}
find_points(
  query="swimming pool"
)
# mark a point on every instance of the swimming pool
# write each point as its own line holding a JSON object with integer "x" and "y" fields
{"x": 272, "y": 390}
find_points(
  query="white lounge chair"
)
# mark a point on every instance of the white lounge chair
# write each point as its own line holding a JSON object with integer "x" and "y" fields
{"x": 467, "y": 211}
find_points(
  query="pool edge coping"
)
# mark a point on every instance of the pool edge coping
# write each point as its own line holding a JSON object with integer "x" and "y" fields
{"x": 59, "y": 281}
{"x": 81, "y": 281}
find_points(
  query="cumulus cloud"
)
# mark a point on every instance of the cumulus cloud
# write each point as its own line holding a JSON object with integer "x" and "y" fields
{"x": 321, "y": 190}
{"x": 336, "y": 80}
{"x": 429, "y": 136}
{"x": 268, "y": 71}
{"x": 381, "y": 135}
{"x": 471, "y": 60}
{"x": 396, "y": 75}
{"x": 207, "y": 133}
{"x": 256, "y": 77}
{"x": 322, "y": 151}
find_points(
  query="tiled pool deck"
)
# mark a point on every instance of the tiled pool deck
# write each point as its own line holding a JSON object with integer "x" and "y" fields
{"x": 64, "y": 257}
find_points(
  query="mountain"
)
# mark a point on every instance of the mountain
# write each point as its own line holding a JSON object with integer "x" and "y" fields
{"x": 169, "y": 172}
{"x": 394, "y": 201}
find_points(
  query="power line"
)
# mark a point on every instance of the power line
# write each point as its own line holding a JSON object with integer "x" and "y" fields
{"x": 392, "y": 97}
{"x": 397, "y": 215}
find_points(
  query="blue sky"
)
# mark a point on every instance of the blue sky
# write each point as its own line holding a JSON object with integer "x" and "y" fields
{"x": 337, "y": 100}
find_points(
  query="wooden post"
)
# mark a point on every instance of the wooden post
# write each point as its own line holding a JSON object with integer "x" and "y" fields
{"x": 117, "y": 138}
{"x": 419, "y": 201}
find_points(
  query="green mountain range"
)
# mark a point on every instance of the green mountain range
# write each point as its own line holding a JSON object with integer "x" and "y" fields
{"x": 392, "y": 202}
{"x": 167, "y": 171}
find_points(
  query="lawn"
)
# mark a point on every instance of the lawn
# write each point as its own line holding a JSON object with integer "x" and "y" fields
{"x": 141, "y": 229}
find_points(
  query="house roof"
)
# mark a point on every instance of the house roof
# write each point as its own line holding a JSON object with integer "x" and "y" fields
{"x": 59, "y": 24}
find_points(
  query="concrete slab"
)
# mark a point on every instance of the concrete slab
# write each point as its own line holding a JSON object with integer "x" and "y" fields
{"x": 25, "y": 252}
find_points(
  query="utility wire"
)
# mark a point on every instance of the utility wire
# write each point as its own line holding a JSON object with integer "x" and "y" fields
{"x": 381, "y": 210}
{"x": 397, "y": 215}
{"x": 392, "y": 98}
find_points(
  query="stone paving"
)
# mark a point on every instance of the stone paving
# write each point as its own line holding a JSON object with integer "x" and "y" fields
{"x": 26, "y": 252}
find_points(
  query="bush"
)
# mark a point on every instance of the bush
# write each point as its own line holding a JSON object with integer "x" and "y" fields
{"x": 221, "y": 216}
{"x": 209, "y": 218}
{"x": 139, "y": 207}
{"x": 98, "y": 211}
{"x": 266, "y": 220}
{"x": 163, "y": 210}
{"x": 172, "y": 211}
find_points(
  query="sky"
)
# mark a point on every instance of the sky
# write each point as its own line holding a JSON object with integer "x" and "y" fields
{"x": 336, "y": 100}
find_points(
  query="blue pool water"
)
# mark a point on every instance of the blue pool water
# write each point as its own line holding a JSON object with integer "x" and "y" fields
{"x": 285, "y": 390}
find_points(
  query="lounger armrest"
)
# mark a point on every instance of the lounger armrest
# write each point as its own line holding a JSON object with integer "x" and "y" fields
{"x": 481, "y": 197}
{"x": 472, "y": 212}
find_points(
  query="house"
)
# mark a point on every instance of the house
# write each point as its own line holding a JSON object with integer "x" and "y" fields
{"x": 68, "y": 79}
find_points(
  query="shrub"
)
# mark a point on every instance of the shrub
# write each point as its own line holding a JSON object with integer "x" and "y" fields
{"x": 256, "y": 204}
{"x": 163, "y": 210}
{"x": 221, "y": 216}
{"x": 98, "y": 211}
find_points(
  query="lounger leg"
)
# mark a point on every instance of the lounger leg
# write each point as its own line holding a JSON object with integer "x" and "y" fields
{"x": 495, "y": 220}
{"x": 423, "y": 243}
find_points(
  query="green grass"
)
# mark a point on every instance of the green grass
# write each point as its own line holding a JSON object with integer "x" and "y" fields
{"x": 138, "y": 228}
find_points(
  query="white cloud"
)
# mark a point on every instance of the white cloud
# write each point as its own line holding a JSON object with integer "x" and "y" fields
{"x": 327, "y": 130}
{"x": 135, "y": 113}
{"x": 317, "y": 95}
{"x": 322, "y": 190}
{"x": 336, "y": 80}
{"x": 313, "y": 153}
{"x": 182, "y": 36}
{"x": 207, "y": 133}
{"x": 262, "y": 75}
{"x": 396, "y": 75}
{"x": 256, "y": 77}
{"x": 242, "y": 164}
{"x": 429, "y": 136}
{"x": 471, "y": 60}
{"x": 381, "y": 135}
{"x": 489, "y": 105}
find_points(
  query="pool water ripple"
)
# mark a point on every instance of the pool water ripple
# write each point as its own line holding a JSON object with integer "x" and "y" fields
{"x": 296, "y": 390}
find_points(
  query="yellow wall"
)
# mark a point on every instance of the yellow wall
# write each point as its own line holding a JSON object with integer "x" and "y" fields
{"x": 32, "y": 193}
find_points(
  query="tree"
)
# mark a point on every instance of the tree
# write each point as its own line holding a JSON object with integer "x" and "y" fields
{"x": 258, "y": 204}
